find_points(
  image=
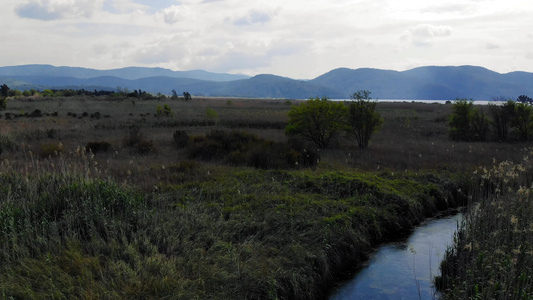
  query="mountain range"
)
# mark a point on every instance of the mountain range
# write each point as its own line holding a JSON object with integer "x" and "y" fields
{"x": 423, "y": 83}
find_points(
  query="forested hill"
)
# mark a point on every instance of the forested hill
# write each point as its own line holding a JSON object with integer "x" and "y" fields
{"x": 424, "y": 83}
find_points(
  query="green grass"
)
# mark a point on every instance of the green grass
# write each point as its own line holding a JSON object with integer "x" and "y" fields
{"x": 244, "y": 234}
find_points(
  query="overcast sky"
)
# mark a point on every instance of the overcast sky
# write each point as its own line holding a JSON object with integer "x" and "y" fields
{"x": 298, "y": 38}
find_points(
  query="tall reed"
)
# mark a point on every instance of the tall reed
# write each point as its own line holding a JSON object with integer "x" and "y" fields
{"x": 493, "y": 253}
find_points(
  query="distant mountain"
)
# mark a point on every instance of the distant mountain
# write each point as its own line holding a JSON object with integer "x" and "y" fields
{"x": 430, "y": 83}
{"x": 424, "y": 83}
{"x": 126, "y": 73}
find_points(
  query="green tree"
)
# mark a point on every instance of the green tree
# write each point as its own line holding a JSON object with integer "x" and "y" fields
{"x": 4, "y": 91}
{"x": 502, "y": 118}
{"x": 47, "y": 93}
{"x": 363, "y": 119}
{"x": 318, "y": 120}
{"x": 479, "y": 124}
{"x": 523, "y": 120}
{"x": 460, "y": 120}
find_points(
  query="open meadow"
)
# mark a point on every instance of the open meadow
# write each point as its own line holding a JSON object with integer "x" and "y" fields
{"x": 209, "y": 199}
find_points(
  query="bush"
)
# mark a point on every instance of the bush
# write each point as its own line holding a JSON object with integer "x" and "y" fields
{"x": 164, "y": 111}
{"x": 134, "y": 136}
{"x": 145, "y": 147}
{"x": 181, "y": 138}
{"x": 98, "y": 146}
{"x": 50, "y": 150}
{"x": 135, "y": 140}
{"x": 242, "y": 148}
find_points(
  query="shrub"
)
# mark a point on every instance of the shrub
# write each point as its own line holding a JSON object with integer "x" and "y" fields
{"x": 145, "y": 147}
{"x": 135, "y": 140}
{"x": 211, "y": 115}
{"x": 98, "y": 146}
{"x": 181, "y": 138}
{"x": 164, "y": 111}
{"x": 7, "y": 143}
{"x": 134, "y": 136}
{"x": 242, "y": 148}
{"x": 36, "y": 114}
{"x": 50, "y": 150}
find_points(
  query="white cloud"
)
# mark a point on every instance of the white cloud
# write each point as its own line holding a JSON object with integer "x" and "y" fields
{"x": 174, "y": 14}
{"x": 425, "y": 34}
{"x": 299, "y": 38}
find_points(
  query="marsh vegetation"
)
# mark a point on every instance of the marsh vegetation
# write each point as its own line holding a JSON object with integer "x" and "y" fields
{"x": 209, "y": 199}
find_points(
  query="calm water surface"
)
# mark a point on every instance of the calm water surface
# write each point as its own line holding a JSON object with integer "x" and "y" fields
{"x": 404, "y": 270}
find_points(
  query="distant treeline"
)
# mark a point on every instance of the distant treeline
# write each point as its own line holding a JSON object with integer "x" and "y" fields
{"x": 6, "y": 92}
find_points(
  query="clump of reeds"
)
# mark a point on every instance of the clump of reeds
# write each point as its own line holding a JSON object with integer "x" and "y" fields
{"x": 493, "y": 253}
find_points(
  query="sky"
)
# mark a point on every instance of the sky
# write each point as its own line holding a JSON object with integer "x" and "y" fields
{"x": 300, "y": 39}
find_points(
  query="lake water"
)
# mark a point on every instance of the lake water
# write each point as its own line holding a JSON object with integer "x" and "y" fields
{"x": 404, "y": 270}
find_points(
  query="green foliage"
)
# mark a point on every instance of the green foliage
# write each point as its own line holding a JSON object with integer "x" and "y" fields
{"x": 164, "y": 111}
{"x": 318, "y": 120}
{"x": 460, "y": 120}
{"x": 47, "y": 93}
{"x": 523, "y": 120}
{"x": 243, "y": 148}
{"x": 502, "y": 116}
{"x": 211, "y": 115}
{"x": 4, "y": 93}
{"x": 479, "y": 124}
{"x": 363, "y": 118}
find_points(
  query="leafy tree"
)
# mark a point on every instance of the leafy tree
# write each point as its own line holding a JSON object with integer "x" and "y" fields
{"x": 47, "y": 93}
{"x": 460, "y": 119}
{"x": 174, "y": 94}
{"x": 479, "y": 124}
{"x": 525, "y": 99}
{"x": 502, "y": 118}
{"x": 4, "y": 90}
{"x": 318, "y": 120}
{"x": 363, "y": 119}
{"x": 523, "y": 120}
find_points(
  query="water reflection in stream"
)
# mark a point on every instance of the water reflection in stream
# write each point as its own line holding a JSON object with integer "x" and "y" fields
{"x": 404, "y": 270}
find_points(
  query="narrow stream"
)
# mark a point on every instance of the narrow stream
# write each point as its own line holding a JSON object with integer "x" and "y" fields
{"x": 404, "y": 270}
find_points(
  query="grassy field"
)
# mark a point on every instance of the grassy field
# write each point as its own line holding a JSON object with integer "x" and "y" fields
{"x": 143, "y": 216}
